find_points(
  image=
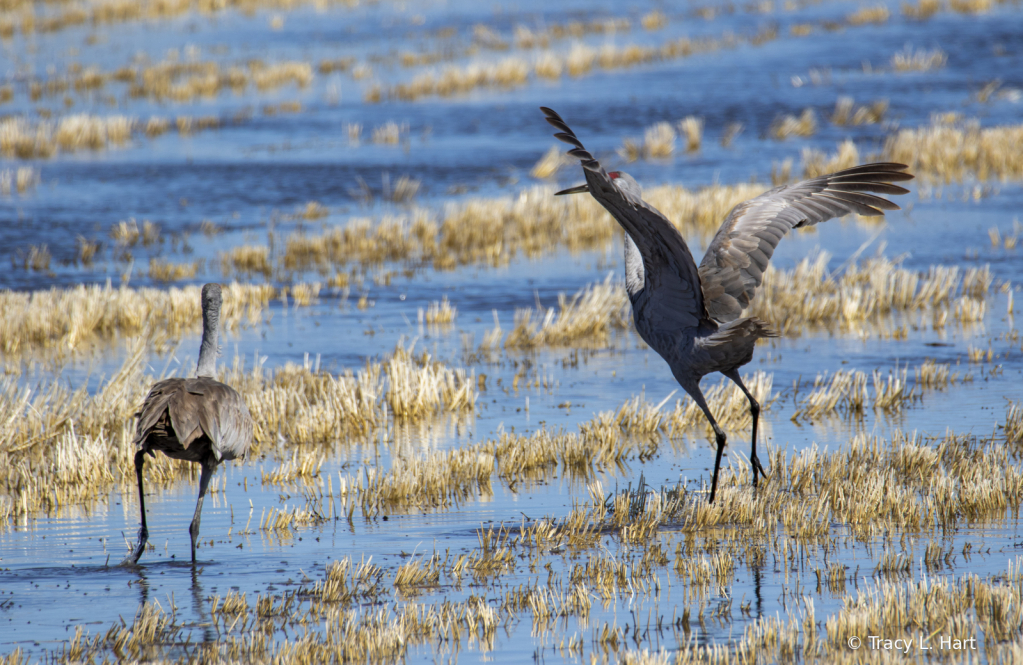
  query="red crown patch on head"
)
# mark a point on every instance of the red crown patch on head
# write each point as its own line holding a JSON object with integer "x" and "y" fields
{"x": 613, "y": 174}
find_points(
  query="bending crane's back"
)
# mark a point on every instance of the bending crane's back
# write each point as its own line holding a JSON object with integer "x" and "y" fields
{"x": 189, "y": 418}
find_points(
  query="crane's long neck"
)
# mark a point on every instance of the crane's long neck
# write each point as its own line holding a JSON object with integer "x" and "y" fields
{"x": 635, "y": 275}
{"x": 210, "y": 344}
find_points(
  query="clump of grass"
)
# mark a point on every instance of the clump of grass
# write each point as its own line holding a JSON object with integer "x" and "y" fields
{"x": 921, "y": 60}
{"x": 588, "y": 317}
{"x": 866, "y": 291}
{"x": 548, "y": 66}
{"x": 938, "y": 376}
{"x": 732, "y": 130}
{"x": 282, "y": 108}
{"x": 304, "y": 294}
{"x": 971, "y": 6}
{"x": 781, "y": 173}
{"x": 156, "y": 126}
{"x": 125, "y": 233}
{"x": 692, "y": 128}
{"x": 844, "y": 393}
{"x": 727, "y": 402}
{"x": 404, "y": 190}
{"x": 306, "y": 467}
{"x": 37, "y": 258}
{"x": 952, "y": 149}
{"x": 438, "y": 313}
{"x": 922, "y": 10}
{"x": 659, "y": 140}
{"x": 526, "y": 37}
{"x": 1007, "y": 241}
{"x": 419, "y": 386}
{"x": 313, "y": 210}
{"x": 64, "y": 318}
{"x": 335, "y": 65}
{"x": 246, "y": 260}
{"x": 164, "y": 271}
{"x": 23, "y": 139}
{"x": 790, "y": 125}
{"x": 580, "y": 60}
{"x": 817, "y": 163}
{"x": 654, "y": 20}
{"x": 876, "y": 14}
{"x": 510, "y": 72}
{"x": 22, "y": 180}
{"x": 87, "y": 250}
{"x": 847, "y": 113}
{"x": 390, "y": 133}
{"x": 552, "y": 161}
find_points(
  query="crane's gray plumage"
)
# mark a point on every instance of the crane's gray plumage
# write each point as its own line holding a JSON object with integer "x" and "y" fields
{"x": 197, "y": 419}
{"x": 734, "y": 264}
{"x": 692, "y": 316}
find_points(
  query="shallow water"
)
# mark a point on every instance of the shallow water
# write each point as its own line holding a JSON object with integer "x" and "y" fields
{"x": 54, "y": 572}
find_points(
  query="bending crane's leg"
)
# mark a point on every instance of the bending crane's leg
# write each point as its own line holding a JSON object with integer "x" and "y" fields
{"x": 719, "y": 434}
{"x": 143, "y": 537}
{"x": 754, "y": 409}
{"x": 209, "y": 466}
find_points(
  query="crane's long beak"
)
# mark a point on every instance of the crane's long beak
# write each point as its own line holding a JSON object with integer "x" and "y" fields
{"x": 573, "y": 190}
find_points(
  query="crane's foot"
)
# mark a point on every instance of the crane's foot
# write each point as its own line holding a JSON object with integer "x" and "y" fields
{"x": 140, "y": 547}
{"x": 757, "y": 466}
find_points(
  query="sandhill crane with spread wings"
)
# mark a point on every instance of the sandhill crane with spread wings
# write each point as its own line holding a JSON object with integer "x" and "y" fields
{"x": 198, "y": 420}
{"x": 692, "y": 316}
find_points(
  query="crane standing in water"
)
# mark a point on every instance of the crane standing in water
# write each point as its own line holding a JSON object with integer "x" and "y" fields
{"x": 198, "y": 420}
{"x": 692, "y": 316}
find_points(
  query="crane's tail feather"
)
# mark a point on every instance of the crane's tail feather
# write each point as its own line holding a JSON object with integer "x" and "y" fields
{"x": 734, "y": 333}
{"x": 568, "y": 136}
{"x": 570, "y": 139}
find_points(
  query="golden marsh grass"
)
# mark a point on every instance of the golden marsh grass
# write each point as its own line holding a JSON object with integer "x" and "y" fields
{"x": 294, "y": 405}
{"x": 952, "y": 150}
{"x": 876, "y": 14}
{"x": 922, "y": 10}
{"x": 874, "y": 488}
{"x": 921, "y": 60}
{"x": 65, "y": 318}
{"x": 580, "y": 60}
{"x": 790, "y": 125}
{"x": 808, "y": 294}
{"x": 21, "y": 180}
{"x": 847, "y": 113}
{"x": 494, "y": 231}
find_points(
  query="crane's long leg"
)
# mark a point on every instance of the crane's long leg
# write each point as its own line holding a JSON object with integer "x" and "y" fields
{"x": 209, "y": 466}
{"x": 754, "y": 409}
{"x": 143, "y": 537}
{"x": 697, "y": 395}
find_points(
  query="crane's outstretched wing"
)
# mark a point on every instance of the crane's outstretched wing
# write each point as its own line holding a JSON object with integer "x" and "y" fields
{"x": 734, "y": 264}
{"x": 672, "y": 294}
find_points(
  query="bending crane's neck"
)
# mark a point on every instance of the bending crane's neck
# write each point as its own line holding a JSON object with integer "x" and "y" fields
{"x": 635, "y": 276}
{"x": 208, "y": 350}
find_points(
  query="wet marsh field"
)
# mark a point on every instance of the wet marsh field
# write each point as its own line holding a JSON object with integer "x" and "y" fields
{"x": 463, "y": 451}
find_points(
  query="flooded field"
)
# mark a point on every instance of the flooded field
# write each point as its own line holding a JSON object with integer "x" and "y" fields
{"x": 463, "y": 451}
